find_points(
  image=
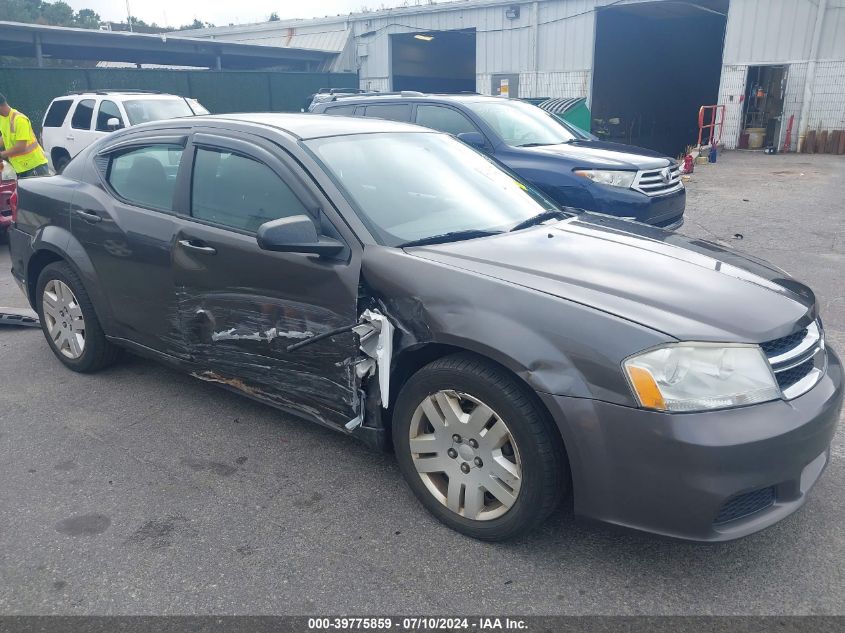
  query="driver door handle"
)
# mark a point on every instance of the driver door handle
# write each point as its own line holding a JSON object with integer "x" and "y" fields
{"x": 88, "y": 216}
{"x": 191, "y": 245}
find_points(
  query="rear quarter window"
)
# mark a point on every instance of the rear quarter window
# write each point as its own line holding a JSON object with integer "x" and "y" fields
{"x": 345, "y": 110}
{"x": 390, "y": 111}
{"x": 57, "y": 112}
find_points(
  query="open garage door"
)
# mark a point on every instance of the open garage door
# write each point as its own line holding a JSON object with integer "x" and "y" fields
{"x": 436, "y": 61}
{"x": 656, "y": 64}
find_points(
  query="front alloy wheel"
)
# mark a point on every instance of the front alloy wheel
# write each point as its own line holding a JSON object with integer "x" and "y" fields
{"x": 64, "y": 319}
{"x": 478, "y": 448}
{"x": 465, "y": 455}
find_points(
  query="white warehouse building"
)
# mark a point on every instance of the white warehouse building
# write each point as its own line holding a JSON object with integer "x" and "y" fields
{"x": 645, "y": 66}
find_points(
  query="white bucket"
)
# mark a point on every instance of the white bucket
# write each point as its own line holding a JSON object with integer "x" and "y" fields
{"x": 756, "y": 137}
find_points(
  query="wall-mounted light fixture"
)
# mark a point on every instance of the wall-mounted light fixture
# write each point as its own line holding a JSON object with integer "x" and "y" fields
{"x": 512, "y": 13}
{"x": 424, "y": 38}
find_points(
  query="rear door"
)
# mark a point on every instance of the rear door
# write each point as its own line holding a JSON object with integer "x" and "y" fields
{"x": 126, "y": 224}
{"x": 81, "y": 132}
{"x": 240, "y": 306}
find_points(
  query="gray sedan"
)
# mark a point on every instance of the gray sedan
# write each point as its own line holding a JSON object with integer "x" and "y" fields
{"x": 396, "y": 285}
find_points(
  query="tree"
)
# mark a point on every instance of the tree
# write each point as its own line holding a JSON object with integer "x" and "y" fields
{"x": 57, "y": 14}
{"x": 196, "y": 24}
{"x": 87, "y": 19}
{"x": 274, "y": 17}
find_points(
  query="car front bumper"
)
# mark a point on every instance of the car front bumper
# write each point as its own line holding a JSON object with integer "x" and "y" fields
{"x": 674, "y": 474}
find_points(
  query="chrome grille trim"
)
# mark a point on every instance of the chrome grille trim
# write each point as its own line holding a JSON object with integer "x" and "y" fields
{"x": 651, "y": 182}
{"x": 810, "y": 341}
{"x": 809, "y": 350}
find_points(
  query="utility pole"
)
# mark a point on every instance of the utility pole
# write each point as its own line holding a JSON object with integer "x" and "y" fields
{"x": 129, "y": 17}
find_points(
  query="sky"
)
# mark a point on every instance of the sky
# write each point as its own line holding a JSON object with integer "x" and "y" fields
{"x": 223, "y": 12}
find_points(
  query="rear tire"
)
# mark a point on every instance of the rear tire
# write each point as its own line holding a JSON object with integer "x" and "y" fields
{"x": 69, "y": 321}
{"x": 477, "y": 448}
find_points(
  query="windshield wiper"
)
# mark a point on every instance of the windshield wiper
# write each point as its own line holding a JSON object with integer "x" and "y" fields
{"x": 537, "y": 144}
{"x": 551, "y": 214}
{"x": 452, "y": 236}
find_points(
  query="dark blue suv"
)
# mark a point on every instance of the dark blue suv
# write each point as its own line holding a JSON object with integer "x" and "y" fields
{"x": 570, "y": 167}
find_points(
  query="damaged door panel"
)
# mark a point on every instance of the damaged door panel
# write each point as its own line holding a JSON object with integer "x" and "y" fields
{"x": 238, "y": 307}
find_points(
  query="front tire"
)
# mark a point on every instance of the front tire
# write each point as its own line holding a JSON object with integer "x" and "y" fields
{"x": 477, "y": 449}
{"x": 69, "y": 321}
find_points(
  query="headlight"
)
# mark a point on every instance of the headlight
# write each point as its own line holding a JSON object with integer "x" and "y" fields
{"x": 701, "y": 376}
{"x": 605, "y": 177}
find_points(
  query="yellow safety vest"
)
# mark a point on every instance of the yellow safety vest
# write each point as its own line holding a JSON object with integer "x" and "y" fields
{"x": 15, "y": 128}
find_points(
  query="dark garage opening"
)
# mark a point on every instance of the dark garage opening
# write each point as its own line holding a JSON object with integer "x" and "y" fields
{"x": 437, "y": 61}
{"x": 656, "y": 64}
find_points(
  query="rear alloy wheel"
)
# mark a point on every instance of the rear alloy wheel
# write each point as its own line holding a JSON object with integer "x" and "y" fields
{"x": 477, "y": 448}
{"x": 63, "y": 319}
{"x": 69, "y": 321}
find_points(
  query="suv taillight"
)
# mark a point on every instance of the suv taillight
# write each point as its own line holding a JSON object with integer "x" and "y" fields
{"x": 13, "y": 205}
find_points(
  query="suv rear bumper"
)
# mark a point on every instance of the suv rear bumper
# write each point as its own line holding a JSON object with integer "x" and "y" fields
{"x": 711, "y": 476}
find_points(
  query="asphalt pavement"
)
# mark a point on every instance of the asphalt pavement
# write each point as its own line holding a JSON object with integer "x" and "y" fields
{"x": 141, "y": 490}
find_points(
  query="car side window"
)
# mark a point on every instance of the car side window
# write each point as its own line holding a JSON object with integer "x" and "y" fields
{"x": 108, "y": 110}
{"x": 146, "y": 176}
{"x": 444, "y": 120}
{"x": 83, "y": 114}
{"x": 57, "y": 112}
{"x": 390, "y": 111}
{"x": 239, "y": 192}
{"x": 346, "y": 110}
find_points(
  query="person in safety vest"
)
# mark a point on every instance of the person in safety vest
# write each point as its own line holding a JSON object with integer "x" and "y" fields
{"x": 20, "y": 147}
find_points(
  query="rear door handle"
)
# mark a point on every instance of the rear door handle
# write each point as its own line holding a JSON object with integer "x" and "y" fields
{"x": 70, "y": 137}
{"x": 197, "y": 247}
{"x": 88, "y": 216}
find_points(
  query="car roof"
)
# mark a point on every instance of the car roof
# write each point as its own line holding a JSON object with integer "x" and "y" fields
{"x": 309, "y": 126}
{"x": 135, "y": 94}
{"x": 469, "y": 97}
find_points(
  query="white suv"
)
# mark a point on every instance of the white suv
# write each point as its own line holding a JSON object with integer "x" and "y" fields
{"x": 76, "y": 120}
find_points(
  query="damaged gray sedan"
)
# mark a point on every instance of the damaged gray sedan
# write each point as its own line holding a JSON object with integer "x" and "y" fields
{"x": 398, "y": 286}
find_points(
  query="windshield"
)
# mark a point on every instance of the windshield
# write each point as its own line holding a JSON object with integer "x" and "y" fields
{"x": 412, "y": 186}
{"x": 521, "y": 124}
{"x": 144, "y": 110}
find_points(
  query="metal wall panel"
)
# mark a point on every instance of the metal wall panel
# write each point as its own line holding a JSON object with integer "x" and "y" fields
{"x": 567, "y": 35}
{"x": 832, "y": 42}
{"x": 731, "y": 88}
{"x": 769, "y": 31}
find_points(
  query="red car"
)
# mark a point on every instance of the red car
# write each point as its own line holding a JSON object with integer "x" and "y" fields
{"x": 8, "y": 197}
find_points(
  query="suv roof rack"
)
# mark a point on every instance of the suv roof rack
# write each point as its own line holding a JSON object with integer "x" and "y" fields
{"x": 375, "y": 93}
{"x": 109, "y": 91}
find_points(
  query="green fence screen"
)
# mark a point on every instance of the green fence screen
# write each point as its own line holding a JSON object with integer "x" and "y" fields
{"x": 31, "y": 90}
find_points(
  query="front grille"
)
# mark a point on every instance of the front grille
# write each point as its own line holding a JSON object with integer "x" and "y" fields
{"x": 658, "y": 182}
{"x": 797, "y": 360}
{"x": 745, "y": 505}
{"x": 789, "y": 377}
{"x": 781, "y": 345}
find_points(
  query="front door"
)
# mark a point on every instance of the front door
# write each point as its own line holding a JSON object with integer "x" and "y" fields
{"x": 240, "y": 306}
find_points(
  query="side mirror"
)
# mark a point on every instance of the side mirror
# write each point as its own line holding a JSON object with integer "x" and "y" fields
{"x": 475, "y": 139}
{"x": 296, "y": 234}
{"x": 113, "y": 124}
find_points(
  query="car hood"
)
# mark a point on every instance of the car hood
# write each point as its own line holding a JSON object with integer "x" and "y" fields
{"x": 603, "y": 154}
{"x": 689, "y": 289}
